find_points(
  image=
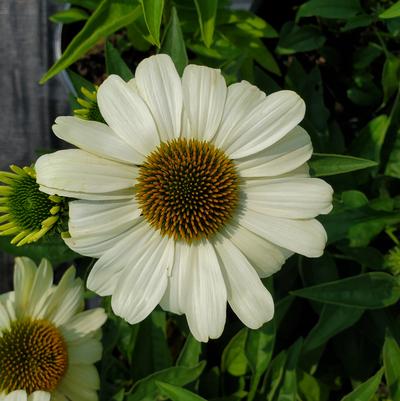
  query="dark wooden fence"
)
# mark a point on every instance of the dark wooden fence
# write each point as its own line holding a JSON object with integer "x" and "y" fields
{"x": 27, "y": 109}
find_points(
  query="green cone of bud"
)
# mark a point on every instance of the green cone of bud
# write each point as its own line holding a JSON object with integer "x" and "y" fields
{"x": 90, "y": 109}
{"x": 26, "y": 213}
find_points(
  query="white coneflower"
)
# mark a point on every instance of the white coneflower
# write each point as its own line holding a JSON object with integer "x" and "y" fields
{"x": 190, "y": 193}
{"x": 48, "y": 344}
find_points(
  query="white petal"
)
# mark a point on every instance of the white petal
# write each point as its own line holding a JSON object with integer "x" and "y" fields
{"x": 142, "y": 285}
{"x": 105, "y": 274}
{"x": 18, "y": 395}
{"x": 80, "y": 383}
{"x": 173, "y": 299}
{"x": 4, "y": 318}
{"x": 160, "y": 86}
{"x": 306, "y": 237}
{"x": 95, "y": 247}
{"x": 66, "y": 299}
{"x": 247, "y": 296}
{"x": 83, "y": 324}
{"x": 251, "y": 124}
{"x": 80, "y": 171}
{"x": 24, "y": 276}
{"x": 97, "y": 138}
{"x": 96, "y": 220}
{"x": 204, "y": 94}
{"x": 85, "y": 352}
{"x": 287, "y": 154}
{"x": 205, "y": 299}
{"x": 302, "y": 171}
{"x": 241, "y": 101}
{"x": 57, "y": 396}
{"x": 127, "y": 114}
{"x": 264, "y": 256}
{"x": 40, "y": 289}
{"x": 297, "y": 198}
{"x": 39, "y": 396}
{"x": 127, "y": 193}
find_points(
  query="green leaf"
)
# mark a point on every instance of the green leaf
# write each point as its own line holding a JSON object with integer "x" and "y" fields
{"x": 391, "y": 12}
{"x": 391, "y": 362}
{"x": 369, "y": 143}
{"x": 288, "y": 389}
{"x": 207, "y": 12}
{"x": 69, "y": 15}
{"x": 364, "y": 56}
{"x": 365, "y": 391}
{"x": 174, "y": 44}
{"x": 233, "y": 357}
{"x": 263, "y": 56}
{"x": 153, "y": 11}
{"x": 340, "y": 222}
{"x": 177, "y": 393}
{"x": 310, "y": 389}
{"x": 190, "y": 353}
{"x": 342, "y": 9}
{"x": 115, "y": 64}
{"x": 390, "y": 77}
{"x": 89, "y": 4}
{"x": 393, "y": 165}
{"x": 78, "y": 82}
{"x": 358, "y": 21}
{"x": 147, "y": 390}
{"x": 277, "y": 371}
{"x": 296, "y": 39}
{"x": 310, "y": 87}
{"x": 138, "y": 34}
{"x": 333, "y": 320}
{"x": 110, "y": 16}
{"x": 364, "y": 91}
{"x": 259, "y": 347}
{"x": 370, "y": 291}
{"x": 126, "y": 335}
{"x": 323, "y": 164}
{"x": 151, "y": 346}
{"x": 243, "y": 48}
{"x": 51, "y": 248}
{"x": 248, "y": 23}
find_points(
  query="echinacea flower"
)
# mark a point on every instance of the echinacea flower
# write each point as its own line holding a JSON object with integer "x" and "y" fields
{"x": 189, "y": 194}
{"x": 26, "y": 213}
{"x": 48, "y": 344}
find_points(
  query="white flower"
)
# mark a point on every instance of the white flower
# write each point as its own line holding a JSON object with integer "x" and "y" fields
{"x": 48, "y": 345}
{"x": 190, "y": 194}
{"x": 21, "y": 395}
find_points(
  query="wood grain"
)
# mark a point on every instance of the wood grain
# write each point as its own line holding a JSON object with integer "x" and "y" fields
{"x": 27, "y": 109}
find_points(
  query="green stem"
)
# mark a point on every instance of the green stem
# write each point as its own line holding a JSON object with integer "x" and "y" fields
{"x": 389, "y": 232}
{"x": 255, "y": 380}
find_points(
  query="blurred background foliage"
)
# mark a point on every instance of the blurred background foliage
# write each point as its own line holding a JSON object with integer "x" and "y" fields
{"x": 336, "y": 331}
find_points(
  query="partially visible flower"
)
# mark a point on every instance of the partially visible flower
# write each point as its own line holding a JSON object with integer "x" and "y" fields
{"x": 90, "y": 109}
{"x": 21, "y": 395}
{"x": 48, "y": 344}
{"x": 190, "y": 193}
{"x": 392, "y": 260}
{"x": 25, "y": 212}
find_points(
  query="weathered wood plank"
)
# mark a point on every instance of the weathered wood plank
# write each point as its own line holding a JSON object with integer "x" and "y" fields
{"x": 27, "y": 109}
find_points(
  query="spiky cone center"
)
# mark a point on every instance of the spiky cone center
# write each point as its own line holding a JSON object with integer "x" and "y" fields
{"x": 188, "y": 189}
{"x": 33, "y": 356}
{"x": 89, "y": 108}
{"x": 25, "y": 211}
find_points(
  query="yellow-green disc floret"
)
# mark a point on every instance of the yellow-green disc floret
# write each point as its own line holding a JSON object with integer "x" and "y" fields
{"x": 26, "y": 212}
